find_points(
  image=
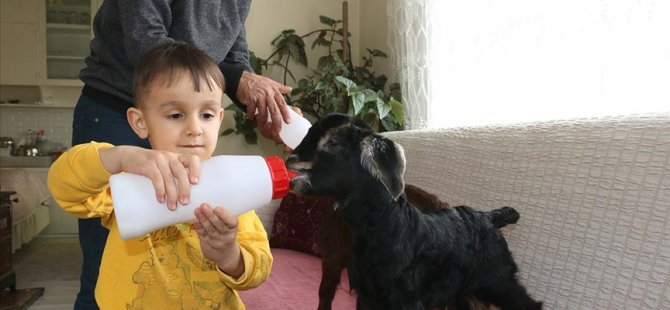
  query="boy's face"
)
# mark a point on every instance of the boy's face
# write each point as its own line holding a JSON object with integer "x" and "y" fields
{"x": 176, "y": 118}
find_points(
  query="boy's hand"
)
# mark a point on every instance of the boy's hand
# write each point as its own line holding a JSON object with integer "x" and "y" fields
{"x": 217, "y": 229}
{"x": 171, "y": 173}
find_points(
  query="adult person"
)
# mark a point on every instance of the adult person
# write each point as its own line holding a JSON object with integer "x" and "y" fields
{"x": 123, "y": 31}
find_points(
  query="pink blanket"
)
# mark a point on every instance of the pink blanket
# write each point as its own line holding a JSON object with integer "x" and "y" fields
{"x": 294, "y": 284}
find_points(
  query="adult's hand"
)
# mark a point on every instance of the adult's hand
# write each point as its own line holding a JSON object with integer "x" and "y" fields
{"x": 261, "y": 93}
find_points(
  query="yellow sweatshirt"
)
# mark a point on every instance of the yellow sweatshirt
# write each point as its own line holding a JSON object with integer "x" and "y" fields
{"x": 164, "y": 269}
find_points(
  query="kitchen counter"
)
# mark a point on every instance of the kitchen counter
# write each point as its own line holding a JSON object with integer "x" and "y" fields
{"x": 25, "y": 161}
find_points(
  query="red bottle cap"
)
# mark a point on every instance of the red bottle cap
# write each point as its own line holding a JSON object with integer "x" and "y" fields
{"x": 279, "y": 175}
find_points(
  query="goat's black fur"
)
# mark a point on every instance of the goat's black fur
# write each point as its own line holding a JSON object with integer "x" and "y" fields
{"x": 402, "y": 258}
{"x": 336, "y": 250}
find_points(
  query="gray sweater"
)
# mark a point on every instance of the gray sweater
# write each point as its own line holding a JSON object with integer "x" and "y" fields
{"x": 125, "y": 29}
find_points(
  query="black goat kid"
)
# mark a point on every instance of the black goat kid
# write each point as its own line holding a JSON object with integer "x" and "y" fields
{"x": 402, "y": 258}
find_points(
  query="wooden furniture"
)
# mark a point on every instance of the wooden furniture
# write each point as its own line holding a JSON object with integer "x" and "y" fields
{"x": 7, "y": 275}
{"x": 10, "y": 297}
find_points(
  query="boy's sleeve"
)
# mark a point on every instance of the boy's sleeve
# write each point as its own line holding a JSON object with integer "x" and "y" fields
{"x": 255, "y": 247}
{"x": 79, "y": 183}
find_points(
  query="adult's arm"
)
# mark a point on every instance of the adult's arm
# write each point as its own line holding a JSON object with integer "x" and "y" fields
{"x": 233, "y": 65}
{"x": 144, "y": 25}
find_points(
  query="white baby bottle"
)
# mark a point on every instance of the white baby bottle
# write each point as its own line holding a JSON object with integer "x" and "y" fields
{"x": 237, "y": 183}
{"x": 293, "y": 133}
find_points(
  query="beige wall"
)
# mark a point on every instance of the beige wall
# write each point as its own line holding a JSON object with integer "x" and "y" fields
{"x": 268, "y": 17}
{"x": 367, "y": 23}
{"x": 374, "y": 31}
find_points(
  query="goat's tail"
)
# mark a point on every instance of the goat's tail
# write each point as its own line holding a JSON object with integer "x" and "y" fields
{"x": 503, "y": 216}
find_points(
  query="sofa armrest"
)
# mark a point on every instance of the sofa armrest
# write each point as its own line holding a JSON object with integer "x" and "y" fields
{"x": 593, "y": 194}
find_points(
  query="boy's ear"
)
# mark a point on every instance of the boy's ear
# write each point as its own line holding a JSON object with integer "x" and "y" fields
{"x": 136, "y": 121}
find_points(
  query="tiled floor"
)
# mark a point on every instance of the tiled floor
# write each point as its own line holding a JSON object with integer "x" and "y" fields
{"x": 52, "y": 263}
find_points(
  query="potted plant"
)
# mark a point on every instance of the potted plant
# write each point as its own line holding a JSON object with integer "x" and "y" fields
{"x": 334, "y": 85}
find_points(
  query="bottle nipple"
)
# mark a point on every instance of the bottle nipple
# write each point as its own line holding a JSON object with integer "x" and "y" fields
{"x": 292, "y": 174}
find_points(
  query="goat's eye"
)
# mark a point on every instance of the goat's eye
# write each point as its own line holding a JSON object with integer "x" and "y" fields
{"x": 332, "y": 143}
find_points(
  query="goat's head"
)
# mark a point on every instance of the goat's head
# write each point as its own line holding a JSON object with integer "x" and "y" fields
{"x": 340, "y": 153}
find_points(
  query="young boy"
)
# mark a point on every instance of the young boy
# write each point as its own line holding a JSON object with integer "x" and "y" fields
{"x": 178, "y": 92}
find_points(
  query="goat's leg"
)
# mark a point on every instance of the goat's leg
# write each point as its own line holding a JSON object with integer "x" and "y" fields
{"x": 509, "y": 295}
{"x": 335, "y": 246}
{"x": 331, "y": 272}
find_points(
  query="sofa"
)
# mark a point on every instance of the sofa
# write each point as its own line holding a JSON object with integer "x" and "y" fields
{"x": 593, "y": 194}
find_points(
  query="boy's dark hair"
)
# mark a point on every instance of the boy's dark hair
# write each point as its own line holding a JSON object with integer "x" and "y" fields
{"x": 165, "y": 62}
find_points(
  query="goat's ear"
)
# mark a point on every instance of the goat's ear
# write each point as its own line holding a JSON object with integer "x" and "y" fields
{"x": 385, "y": 160}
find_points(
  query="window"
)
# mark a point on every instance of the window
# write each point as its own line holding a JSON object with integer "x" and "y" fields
{"x": 494, "y": 62}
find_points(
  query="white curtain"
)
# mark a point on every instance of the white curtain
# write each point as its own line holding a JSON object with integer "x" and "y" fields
{"x": 409, "y": 42}
{"x": 478, "y": 62}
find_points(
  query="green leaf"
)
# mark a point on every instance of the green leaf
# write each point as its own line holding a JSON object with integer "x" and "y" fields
{"x": 303, "y": 83}
{"x": 380, "y": 82}
{"x": 297, "y": 91}
{"x": 383, "y": 108}
{"x": 358, "y": 101}
{"x": 370, "y": 95}
{"x": 394, "y": 91}
{"x": 231, "y": 107}
{"x": 397, "y": 111}
{"x": 389, "y": 124}
{"x": 227, "y": 132}
{"x": 319, "y": 85}
{"x": 350, "y": 109}
{"x": 321, "y": 42}
{"x": 282, "y": 36}
{"x": 327, "y": 20}
{"x": 256, "y": 63}
{"x": 251, "y": 137}
{"x": 348, "y": 84}
{"x": 337, "y": 104}
{"x": 377, "y": 53}
{"x": 367, "y": 62}
{"x": 325, "y": 63}
{"x": 288, "y": 43}
{"x": 296, "y": 47}
{"x": 330, "y": 92}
